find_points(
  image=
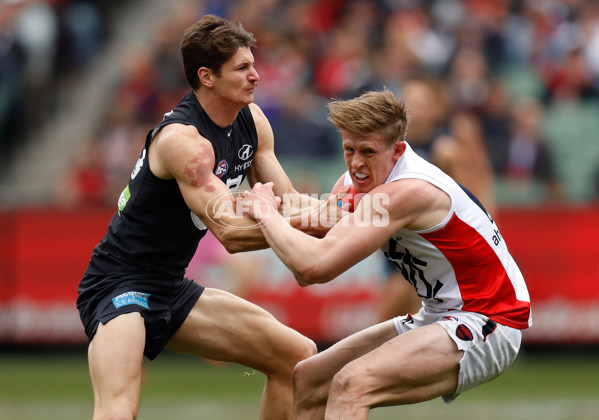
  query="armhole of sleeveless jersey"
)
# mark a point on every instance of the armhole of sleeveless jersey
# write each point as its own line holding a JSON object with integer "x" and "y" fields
{"x": 160, "y": 126}
{"x": 249, "y": 117}
{"x": 153, "y": 133}
{"x": 150, "y": 138}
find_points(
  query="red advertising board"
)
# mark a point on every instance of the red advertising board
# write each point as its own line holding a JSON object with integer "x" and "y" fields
{"x": 47, "y": 252}
{"x": 43, "y": 253}
{"x": 557, "y": 250}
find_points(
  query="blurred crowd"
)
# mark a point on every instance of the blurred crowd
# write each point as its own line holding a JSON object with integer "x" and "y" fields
{"x": 483, "y": 80}
{"x": 43, "y": 43}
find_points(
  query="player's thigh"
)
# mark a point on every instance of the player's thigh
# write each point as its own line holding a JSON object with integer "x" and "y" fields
{"x": 418, "y": 365}
{"x": 115, "y": 357}
{"x": 222, "y": 326}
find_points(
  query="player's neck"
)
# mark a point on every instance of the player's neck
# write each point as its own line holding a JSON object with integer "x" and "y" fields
{"x": 221, "y": 112}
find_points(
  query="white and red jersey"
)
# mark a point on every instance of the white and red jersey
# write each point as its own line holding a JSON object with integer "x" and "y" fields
{"x": 463, "y": 262}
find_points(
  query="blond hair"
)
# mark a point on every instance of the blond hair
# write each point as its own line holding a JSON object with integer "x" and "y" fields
{"x": 372, "y": 112}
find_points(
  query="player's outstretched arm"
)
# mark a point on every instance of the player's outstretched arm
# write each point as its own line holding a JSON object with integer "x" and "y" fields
{"x": 413, "y": 204}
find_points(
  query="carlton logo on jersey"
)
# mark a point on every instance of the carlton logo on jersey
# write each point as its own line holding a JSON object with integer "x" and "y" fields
{"x": 221, "y": 168}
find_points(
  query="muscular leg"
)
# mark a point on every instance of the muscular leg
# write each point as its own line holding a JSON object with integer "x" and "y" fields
{"x": 224, "y": 327}
{"x": 115, "y": 366}
{"x": 416, "y": 366}
{"x": 313, "y": 376}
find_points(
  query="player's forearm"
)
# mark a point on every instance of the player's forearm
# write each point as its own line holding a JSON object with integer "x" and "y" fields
{"x": 240, "y": 238}
{"x": 299, "y": 252}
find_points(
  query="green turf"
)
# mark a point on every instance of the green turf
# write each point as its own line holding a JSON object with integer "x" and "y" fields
{"x": 56, "y": 387}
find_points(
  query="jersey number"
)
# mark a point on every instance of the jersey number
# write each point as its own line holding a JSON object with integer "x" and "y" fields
{"x": 234, "y": 183}
{"x": 139, "y": 164}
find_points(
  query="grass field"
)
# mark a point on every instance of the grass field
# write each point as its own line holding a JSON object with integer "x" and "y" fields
{"x": 55, "y": 386}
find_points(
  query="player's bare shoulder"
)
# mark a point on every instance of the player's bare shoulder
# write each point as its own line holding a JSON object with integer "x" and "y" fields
{"x": 257, "y": 112}
{"x": 263, "y": 128}
{"x": 416, "y": 204}
{"x": 179, "y": 151}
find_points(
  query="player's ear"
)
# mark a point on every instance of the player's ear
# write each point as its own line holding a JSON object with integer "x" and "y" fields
{"x": 205, "y": 75}
{"x": 399, "y": 149}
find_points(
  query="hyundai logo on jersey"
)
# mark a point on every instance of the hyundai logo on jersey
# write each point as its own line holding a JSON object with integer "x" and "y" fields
{"x": 245, "y": 152}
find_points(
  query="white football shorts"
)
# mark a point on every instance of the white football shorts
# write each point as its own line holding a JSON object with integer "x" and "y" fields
{"x": 489, "y": 347}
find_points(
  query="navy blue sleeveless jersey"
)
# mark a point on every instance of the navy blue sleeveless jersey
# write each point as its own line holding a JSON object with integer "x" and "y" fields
{"x": 153, "y": 233}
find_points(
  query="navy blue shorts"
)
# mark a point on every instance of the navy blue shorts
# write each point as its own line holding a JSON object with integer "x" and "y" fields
{"x": 164, "y": 305}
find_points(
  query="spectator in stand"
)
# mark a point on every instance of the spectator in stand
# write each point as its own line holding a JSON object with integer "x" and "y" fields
{"x": 12, "y": 84}
{"x": 284, "y": 68}
{"x": 528, "y": 158}
{"x": 84, "y": 183}
{"x": 496, "y": 120}
{"x": 118, "y": 145}
{"x": 467, "y": 83}
{"x": 166, "y": 61}
{"x": 37, "y": 30}
{"x": 300, "y": 133}
{"x": 570, "y": 79}
{"x": 343, "y": 66}
{"x": 40, "y": 41}
{"x": 469, "y": 164}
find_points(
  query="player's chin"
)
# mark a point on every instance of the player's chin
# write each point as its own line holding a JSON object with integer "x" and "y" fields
{"x": 248, "y": 98}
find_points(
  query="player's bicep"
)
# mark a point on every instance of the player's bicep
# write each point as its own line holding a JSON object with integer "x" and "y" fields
{"x": 204, "y": 193}
{"x": 179, "y": 152}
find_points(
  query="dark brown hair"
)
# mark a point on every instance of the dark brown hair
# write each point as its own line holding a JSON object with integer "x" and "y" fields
{"x": 210, "y": 42}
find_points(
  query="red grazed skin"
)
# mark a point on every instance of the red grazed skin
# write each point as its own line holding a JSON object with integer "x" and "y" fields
{"x": 196, "y": 172}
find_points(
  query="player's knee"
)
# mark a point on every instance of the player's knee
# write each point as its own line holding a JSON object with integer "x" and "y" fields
{"x": 287, "y": 357}
{"x": 301, "y": 349}
{"x": 306, "y": 350}
{"x": 348, "y": 384}
{"x": 300, "y": 377}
